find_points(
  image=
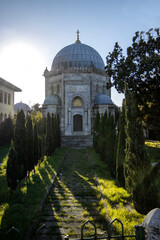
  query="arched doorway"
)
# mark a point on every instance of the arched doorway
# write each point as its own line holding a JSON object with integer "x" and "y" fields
{"x": 77, "y": 123}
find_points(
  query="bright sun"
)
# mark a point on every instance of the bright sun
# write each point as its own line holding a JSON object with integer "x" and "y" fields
{"x": 22, "y": 64}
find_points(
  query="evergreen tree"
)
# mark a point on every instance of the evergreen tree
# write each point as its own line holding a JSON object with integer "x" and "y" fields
{"x": 136, "y": 161}
{"x": 49, "y": 136}
{"x": 146, "y": 194}
{"x": 110, "y": 145}
{"x": 96, "y": 132}
{"x": 53, "y": 121}
{"x": 120, "y": 155}
{"x": 35, "y": 144}
{"x": 11, "y": 171}
{"x": 20, "y": 145}
{"x": 6, "y": 131}
{"x": 58, "y": 131}
{"x": 103, "y": 131}
{"x": 29, "y": 144}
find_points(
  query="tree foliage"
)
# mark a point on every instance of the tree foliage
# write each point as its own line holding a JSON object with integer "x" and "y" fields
{"x": 6, "y": 131}
{"x": 136, "y": 160}
{"x": 111, "y": 145}
{"x": 49, "y": 136}
{"x": 20, "y": 145}
{"x": 146, "y": 193}
{"x": 29, "y": 144}
{"x": 57, "y": 133}
{"x": 140, "y": 69}
{"x": 96, "y": 133}
{"x": 12, "y": 167}
{"x": 35, "y": 145}
{"x": 104, "y": 139}
{"x": 120, "y": 155}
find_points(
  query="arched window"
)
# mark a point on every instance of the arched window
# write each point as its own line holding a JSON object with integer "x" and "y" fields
{"x": 77, "y": 102}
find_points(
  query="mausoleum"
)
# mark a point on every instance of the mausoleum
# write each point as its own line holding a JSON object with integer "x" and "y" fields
{"x": 75, "y": 88}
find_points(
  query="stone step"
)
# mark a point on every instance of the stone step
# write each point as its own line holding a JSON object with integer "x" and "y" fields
{"x": 81, "y": 141}
{"x": 70, "y": 205}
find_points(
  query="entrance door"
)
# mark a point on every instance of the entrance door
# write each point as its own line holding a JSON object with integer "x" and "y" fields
{"x": 77, "y": 123}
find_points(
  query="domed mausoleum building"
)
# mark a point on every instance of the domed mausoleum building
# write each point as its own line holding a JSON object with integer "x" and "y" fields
{"x": 75, "y": 88}
{"x": 21, "y": 106}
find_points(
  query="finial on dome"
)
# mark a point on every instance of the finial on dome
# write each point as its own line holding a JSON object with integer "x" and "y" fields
{"x": 78, "y": 41}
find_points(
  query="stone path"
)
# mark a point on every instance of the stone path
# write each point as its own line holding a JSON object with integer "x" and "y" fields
{"x": 73, "y": 199}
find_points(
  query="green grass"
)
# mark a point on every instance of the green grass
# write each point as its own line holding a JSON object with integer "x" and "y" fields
{"x": 117, "y": 200}
{"x": 153, "y": 150}
{"x": 19, "y": 209}
{"x": 4, "y": 150}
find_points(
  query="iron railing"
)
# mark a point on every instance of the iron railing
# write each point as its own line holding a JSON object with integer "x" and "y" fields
{"x": 139, "y": 232}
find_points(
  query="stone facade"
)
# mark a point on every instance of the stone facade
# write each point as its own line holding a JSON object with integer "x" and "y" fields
{"x": 71, "y": 91}
{"x": 7, "y": 99}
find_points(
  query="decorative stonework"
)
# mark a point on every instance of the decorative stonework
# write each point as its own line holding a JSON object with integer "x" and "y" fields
{"x": 77, "y": 88}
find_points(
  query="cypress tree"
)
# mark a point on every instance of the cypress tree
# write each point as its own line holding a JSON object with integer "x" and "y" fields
{"x": 110, "y": 145}
{"x": 136, "y": 161}
{"x": 20, "y": 145}
{"x": 146, "y": 194}
{"x": 35, "y": 144}
{"x": 49, "y": 136}
{"x": 6, "y": 131}
{"x": 29, "y": 144}
{"x": 11, "y": 171}
{"x": 120, "y": 155}
{"x": 96, "y": 132}
{"x": 58, "y": 131}
{"x": 40, "y": 148}
{"x": 103, "y": 130}
{"x": 53, "y": 121}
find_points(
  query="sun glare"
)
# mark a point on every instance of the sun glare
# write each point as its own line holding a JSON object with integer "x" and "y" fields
{"x": 22, "y": 64}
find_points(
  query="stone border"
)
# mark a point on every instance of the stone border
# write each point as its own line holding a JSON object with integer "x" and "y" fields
{"x": 37, "y": 214}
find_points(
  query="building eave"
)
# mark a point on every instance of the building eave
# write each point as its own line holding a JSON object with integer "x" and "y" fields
{"x": 9, "y": 85}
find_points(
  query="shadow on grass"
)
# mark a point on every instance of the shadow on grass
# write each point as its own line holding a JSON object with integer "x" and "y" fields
{"x": 76, "y": 179}
{"x": 23, "y": 204}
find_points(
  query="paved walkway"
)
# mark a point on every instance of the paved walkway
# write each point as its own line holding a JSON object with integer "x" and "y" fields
{"x": 73, "y": 199}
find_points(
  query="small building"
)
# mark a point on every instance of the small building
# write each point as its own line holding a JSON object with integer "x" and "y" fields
{"x": 21, "y": 106}
{"x": 7, "y": 90}
{"x": 75, "y": 88}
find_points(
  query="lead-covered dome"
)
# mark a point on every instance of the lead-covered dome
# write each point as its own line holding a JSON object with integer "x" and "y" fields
{"x": 21, "y": 106}
{"x": 52, "y": 100}
{"x": 102, "y": 99}
{"x": 77, "y": 56}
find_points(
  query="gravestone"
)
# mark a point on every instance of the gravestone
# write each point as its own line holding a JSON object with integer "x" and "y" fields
{"x": 151, "y": 223}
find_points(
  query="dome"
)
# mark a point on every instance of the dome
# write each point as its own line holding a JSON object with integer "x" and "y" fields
{"x": 101, "y": 99}
{"x": 21, "y": 105}
{"x": 77, "y": 55}
{"x": 52, "y": 100}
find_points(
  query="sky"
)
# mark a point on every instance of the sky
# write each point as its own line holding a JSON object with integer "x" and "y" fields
{"x": 32, "y": 32}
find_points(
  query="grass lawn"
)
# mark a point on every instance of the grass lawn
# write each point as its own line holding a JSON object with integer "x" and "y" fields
{"x": 3, "y": 152}
{"x": 117, "y": 200}
{"x": 153, "y": 150}
{"x": 19, "y": 209}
